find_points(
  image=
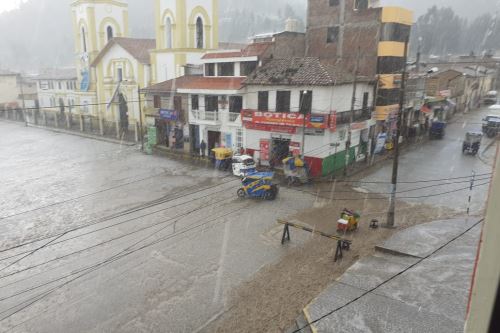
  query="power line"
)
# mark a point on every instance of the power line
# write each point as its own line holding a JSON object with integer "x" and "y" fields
{"x": 415, "y": 197}
{"x": 81, "y": 197}
{"x": 105, "y": 262}
{"x": 127, "y": 212}
{"x": 176, "y": 219}
{"x": 96, "y": 245}
{"x": 410, "y": 190}
{"x": 388, "y": 280}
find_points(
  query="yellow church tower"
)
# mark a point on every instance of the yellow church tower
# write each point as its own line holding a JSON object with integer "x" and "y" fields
{"x": 185, "y": 30}
{"x": 95, "y": 22}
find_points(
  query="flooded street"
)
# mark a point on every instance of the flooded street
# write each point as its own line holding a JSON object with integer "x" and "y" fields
{"x": 103, "y": 238}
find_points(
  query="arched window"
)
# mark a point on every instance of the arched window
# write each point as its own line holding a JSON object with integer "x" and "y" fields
{"x": 199, "y": 33}
{"x": 109, "y": 32}
{"x": 84, "y": 40}
{"x": 168, "y": 33}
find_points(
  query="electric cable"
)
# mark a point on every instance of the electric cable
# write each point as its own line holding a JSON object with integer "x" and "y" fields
{"x": 124, "y": 213}
{"x": 420, "y": 260}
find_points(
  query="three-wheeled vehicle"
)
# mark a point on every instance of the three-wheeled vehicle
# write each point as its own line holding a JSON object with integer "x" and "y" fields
{"x": 491, "y": 126}
{"x": 437, "y": 130}
{"x": 295, "y": 170}
{"x": 472, "y": 142}
{"x": 243, "y": 165}
{"x": 222, "y": 158}
{"x": 348, "y": 221}
{"x": 258, "y": 185}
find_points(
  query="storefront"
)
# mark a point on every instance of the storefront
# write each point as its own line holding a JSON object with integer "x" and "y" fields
{"x": 170, "y": 131}
{"x": 272, "y": 136}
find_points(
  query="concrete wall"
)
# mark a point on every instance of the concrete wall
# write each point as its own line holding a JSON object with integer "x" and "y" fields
{"x": 487, "y": 274}
{"x": 286, "y": 45}
{"x": 9, "y": 89}
{"x": 356, "y": 28}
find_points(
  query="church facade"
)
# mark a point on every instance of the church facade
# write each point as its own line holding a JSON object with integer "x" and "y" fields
{"x": 112, "y": 67}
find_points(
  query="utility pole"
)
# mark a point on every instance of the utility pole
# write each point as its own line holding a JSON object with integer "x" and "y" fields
{"x": 140, "y": 118}
{"x": 351, "y": 114}
{"x": 303, "y": 151}
{"x": 419, "y": 51}
{"x": 392, "y": 200}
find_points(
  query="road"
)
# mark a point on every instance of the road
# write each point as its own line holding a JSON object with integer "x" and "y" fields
{"x": 97, "y": 237}
{"x": 442, "y": 159}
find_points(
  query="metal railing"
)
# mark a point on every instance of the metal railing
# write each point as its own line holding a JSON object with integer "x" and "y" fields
{"x": 358, "y": 116}
{"x": 205, "y": 115}
{"x": 75, "y": 122}
{"x": 233, "y": 117}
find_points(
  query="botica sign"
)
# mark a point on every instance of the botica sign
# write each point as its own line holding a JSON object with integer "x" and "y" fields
{"x": 293, "y": 119}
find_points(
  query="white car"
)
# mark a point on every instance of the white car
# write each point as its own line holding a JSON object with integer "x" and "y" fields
{"x": 242, "y": 165}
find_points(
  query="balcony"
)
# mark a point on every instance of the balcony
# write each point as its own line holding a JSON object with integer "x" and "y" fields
{"x": 358, "y": 116}
{"x": 233, "y": 117}
{"x": 210, "y": 116}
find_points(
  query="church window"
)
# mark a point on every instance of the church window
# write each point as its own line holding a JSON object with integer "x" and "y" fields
{"x": 109, "y": 33}
{"x": 120, "y": 74}
{"x": 168, "y": 33}
{"x": 199, "y": 33}
{"x": 84, "y": 40}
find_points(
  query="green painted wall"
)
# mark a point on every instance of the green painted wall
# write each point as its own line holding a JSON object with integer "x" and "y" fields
{"x": 334, "y": 163}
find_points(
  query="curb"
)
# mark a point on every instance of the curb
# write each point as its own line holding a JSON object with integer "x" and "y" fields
{"x": 382, "y": 249}
{"x": 85, "y": 135}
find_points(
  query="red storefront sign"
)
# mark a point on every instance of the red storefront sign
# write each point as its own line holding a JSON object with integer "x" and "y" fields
{"x": 332, "y": 125}
{"x": 293, "y": 119}
{"x": 271, "y": 128}
{"x": 361, "y": 125}
{"x": 294, "y": 148}
{"x": 264, "y": 149}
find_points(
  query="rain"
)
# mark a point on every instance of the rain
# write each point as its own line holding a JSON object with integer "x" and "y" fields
{"x": 249, "y": 166}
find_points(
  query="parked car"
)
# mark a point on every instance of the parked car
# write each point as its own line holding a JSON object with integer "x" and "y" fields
{"x": 490, "y": 98}
{"x": 243, "y": 165}
{"x": 488, "y": 119}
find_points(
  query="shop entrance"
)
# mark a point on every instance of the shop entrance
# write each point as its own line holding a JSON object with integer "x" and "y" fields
{"x": 213, "y": 140}
{"x": 163, "y": 130}
{"x": 194, "y": 134}
{"x": 280, "y": 149}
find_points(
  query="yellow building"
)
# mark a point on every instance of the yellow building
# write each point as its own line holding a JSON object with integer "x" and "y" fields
{"x": 112, "y": 67}
{"x": 396, "y": 26}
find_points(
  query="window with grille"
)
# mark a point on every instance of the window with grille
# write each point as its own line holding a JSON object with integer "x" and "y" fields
{"x": 283, "y": 101}
{"x": 195, "y": 102}
{"x": 263, "y": 101}
{"x": 332, "y": 35}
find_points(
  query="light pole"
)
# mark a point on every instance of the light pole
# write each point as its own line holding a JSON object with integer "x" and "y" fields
{"x": 392, "y": 200}
{"x": 303, "y": 96}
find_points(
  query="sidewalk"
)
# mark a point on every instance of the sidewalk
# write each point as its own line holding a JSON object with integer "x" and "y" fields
{"x": 417, "y": 281}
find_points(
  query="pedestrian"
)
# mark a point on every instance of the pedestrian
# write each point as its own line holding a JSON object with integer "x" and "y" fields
{"x": 203, "y": 147}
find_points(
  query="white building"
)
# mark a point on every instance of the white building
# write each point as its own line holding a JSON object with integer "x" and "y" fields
{"x": 213, "y": 101}
{"x": 280, "y": 92}
{"x": 56, "y": 88}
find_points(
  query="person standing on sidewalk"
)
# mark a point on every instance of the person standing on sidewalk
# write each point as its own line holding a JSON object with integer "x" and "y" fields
{"x": 203, "y": 147}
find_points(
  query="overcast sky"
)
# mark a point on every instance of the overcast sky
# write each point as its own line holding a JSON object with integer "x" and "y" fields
{"x": 465, "y": 8}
